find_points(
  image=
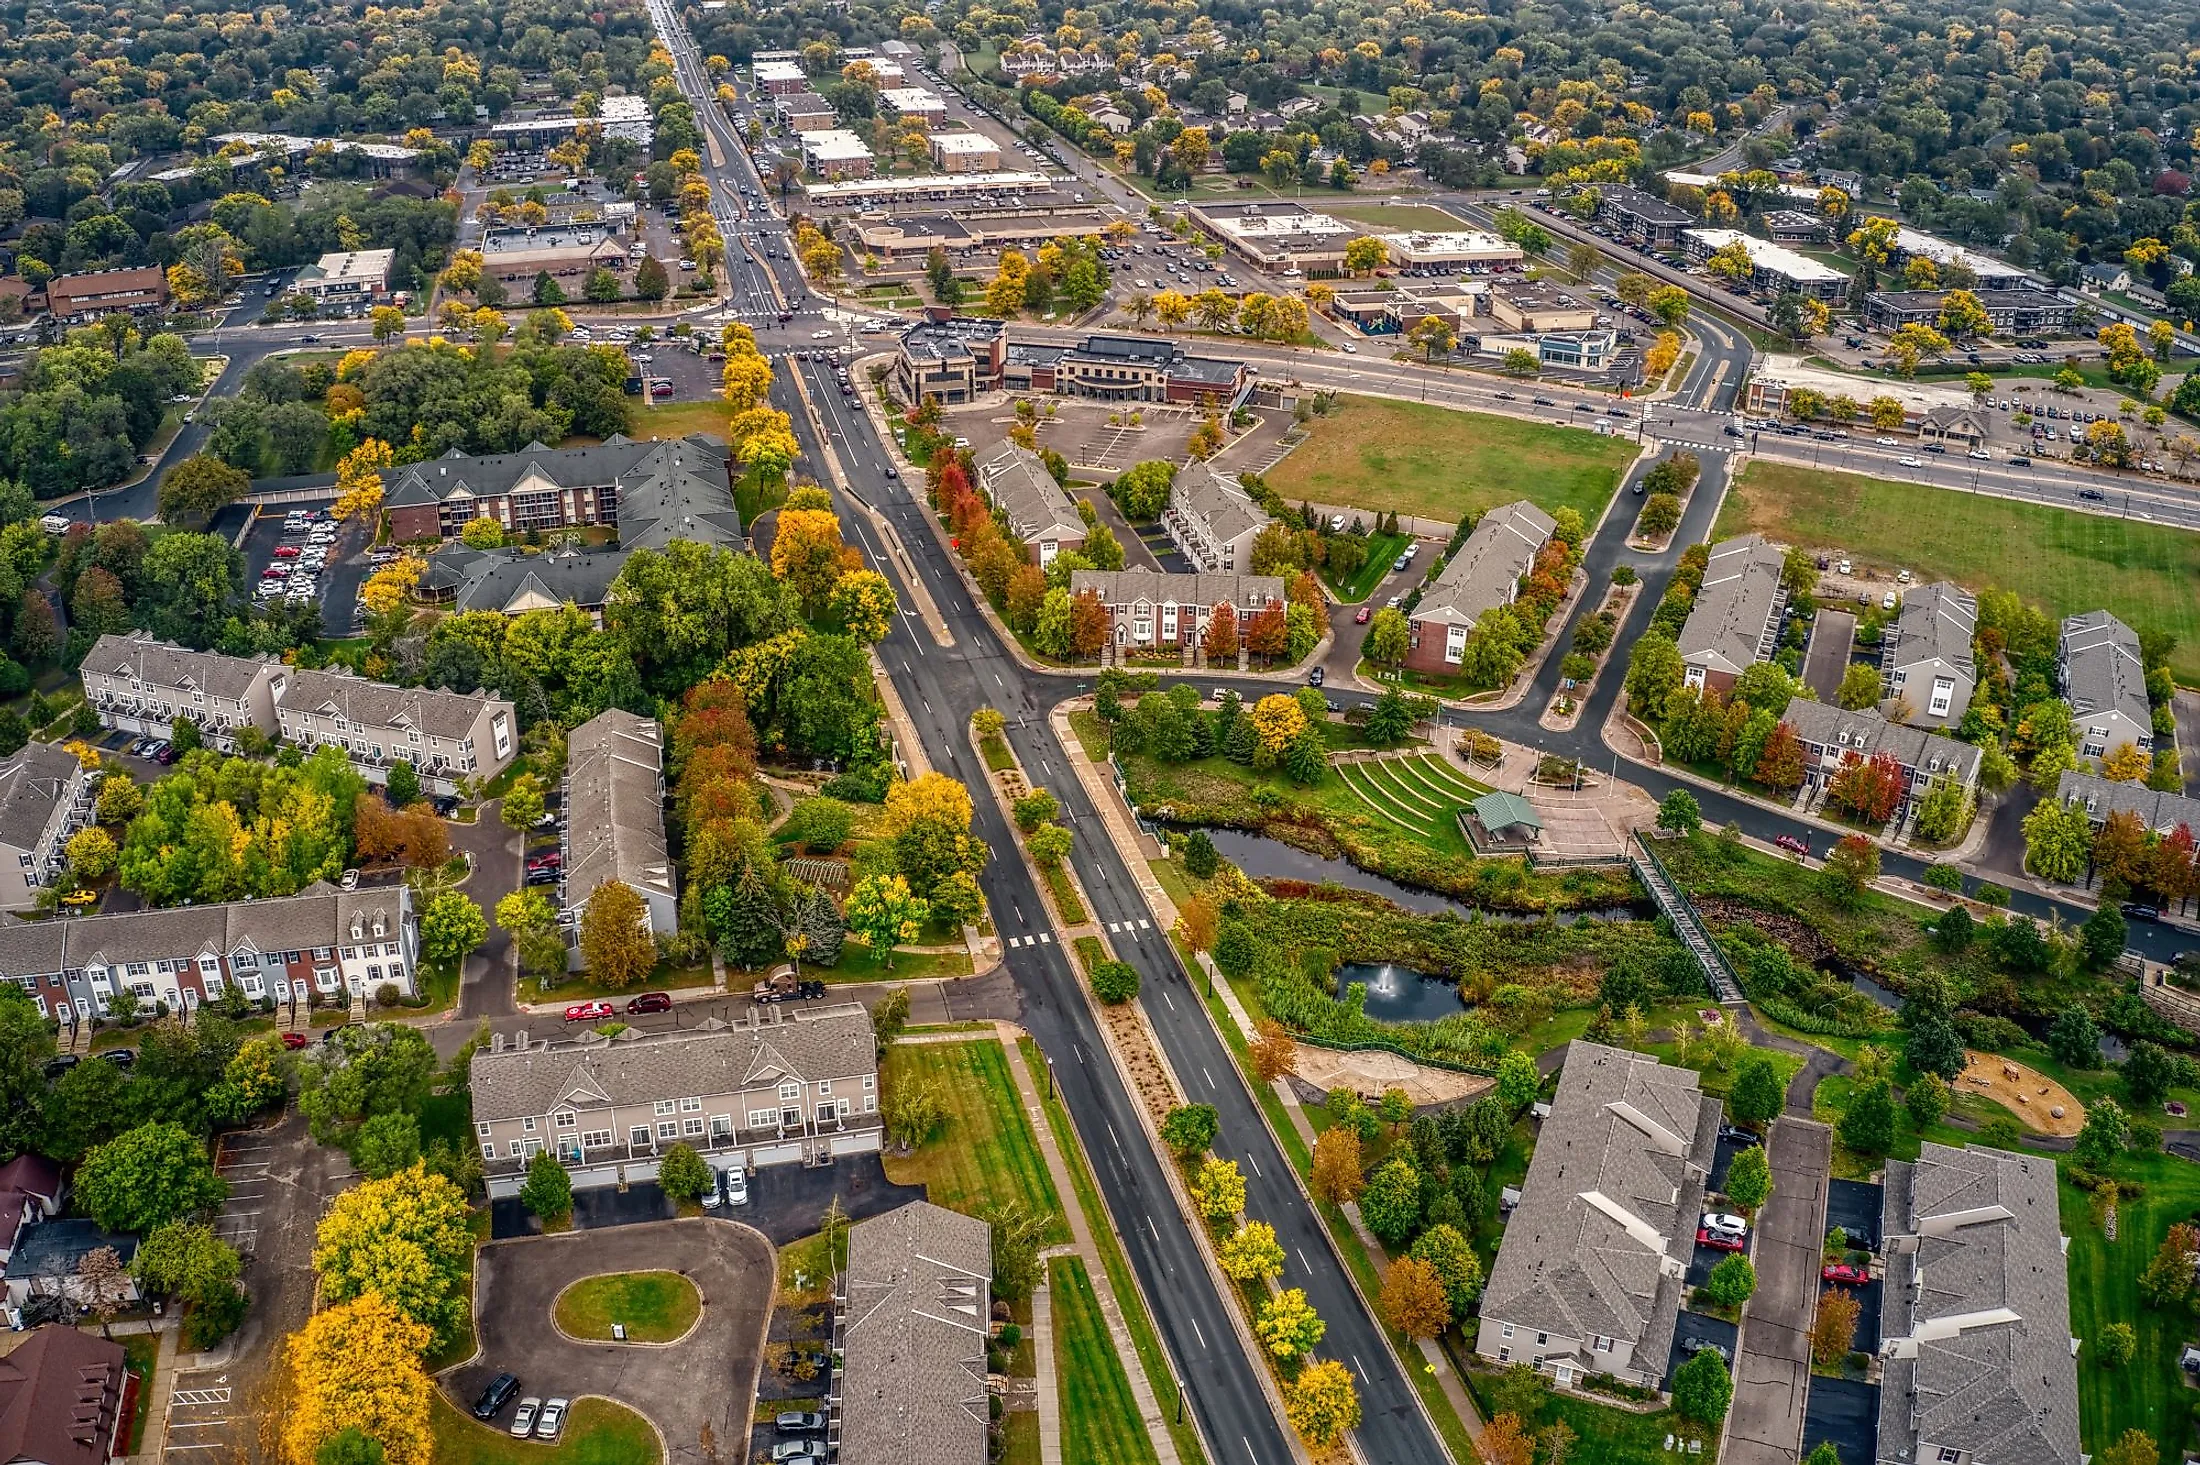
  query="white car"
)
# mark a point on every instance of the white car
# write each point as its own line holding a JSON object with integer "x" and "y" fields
{"x": 1886, "y": 602}
{"x": 1725, "y": 1223}
{"x": 821, "y": 335}
{"x": 1350, "y": 349}
{"x": 523, "y": 1422}
{"x": 1885, "y": 442}
{"x": 1979, "y": 453}
{"x": 1842, "y": 567}
{"x": 1336, "y": 523}
{"x": 737, "y": 1186}
{"x": 553, "y": 1418}
{"x": 1909, "y": 462}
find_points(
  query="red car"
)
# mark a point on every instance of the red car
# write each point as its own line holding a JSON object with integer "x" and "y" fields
{"x": 1797, "y": 847}
{"x": 1718, "y": 1240}
{"x": 650, "y": 1002}
{"x": 548, "y": 860}
{"x": 1361, "y": 618}
{"x": 1848, "y": 1272}
{"x": 589, "y": 1011}
{"x": 286, "y": 551}
{"x": 294, "y": 1041}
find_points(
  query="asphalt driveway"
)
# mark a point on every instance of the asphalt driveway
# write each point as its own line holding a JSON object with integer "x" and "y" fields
{"x": 1846, "y": 1412}
{"x": 709, "y": 1377}
{"x": 1854, "y": 1206}
{"x": 1772, "y": 1373}
{"x": 785, "y": 1201}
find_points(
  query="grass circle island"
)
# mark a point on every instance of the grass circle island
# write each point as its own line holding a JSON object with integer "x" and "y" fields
{"x": 655, "y": 1307}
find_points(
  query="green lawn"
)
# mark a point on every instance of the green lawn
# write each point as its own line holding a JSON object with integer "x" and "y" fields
{"x": 2064, "y": 562}
{"x": 984, "y": 1152}
{"x": 1376, "y": 454}
{"x": 1382, "y": 551}
{"x": 1607, "y": 1435}
{"x": 597, "y": 1432}
{"x": 578, "y": 986}
{"x": 1397, "y": 218}
{"x": 678, "y": 419}
{"x": 1100, "y": 1422}
{"x": 656, "y": 1307}
{"x": 142, "y": 1350}
{"x": 2148, "y": 1393}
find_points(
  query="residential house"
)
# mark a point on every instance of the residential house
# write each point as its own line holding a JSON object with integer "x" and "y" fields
{"x": 1153, "y": 608}
{"x": 446, "y": 736}
{"x": 1978, "y": 1365}
{"x": 1964, "y": 426}
{"x": 2110, "y": 278}
{"x": 2158, "y": 812}
{"x": 139, "y": 685}
{"x": 654, "y": 491}
{"x": 1638, "y": 218}
{"x": 1015, "y": 480}
{"x": 77, "y": 298}
{"x": 1485, "y": 574}
{"x": 912, "y": 1315}
{"x": 1735, "y": 620}
{"x": 1925, "y": 658}
{"x": 321, "y": 941}
{"x": 1590, "y": 1274}
{"x": 45, "y": 797}
{"x": 949, "y": 358}
{"x": 615, "y": 818}
{"x": 352, "y": 277}
{"x": 66, "y": 1398}
{"x": 1212, "y": 519}
{"x": 1833, "y": 737}
{"x": 2102, "y": 676}
{"x": 786, "y": 1085}
{"x": 30, "y": 1192}
{"x": 46, "y": 1261}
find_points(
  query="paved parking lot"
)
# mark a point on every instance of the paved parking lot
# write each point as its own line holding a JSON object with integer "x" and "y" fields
{"x": 708, "y": 1377}
{"x": 1846, "y": 1412}
{"x": 785, "y": 1201}
{"x": 1772, "y": 1370}
{"x": 279, "y": 1183}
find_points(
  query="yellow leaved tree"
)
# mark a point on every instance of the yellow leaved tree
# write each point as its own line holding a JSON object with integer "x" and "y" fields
{"x": 359, "y": 479}
{"x": 357, "y": 1365}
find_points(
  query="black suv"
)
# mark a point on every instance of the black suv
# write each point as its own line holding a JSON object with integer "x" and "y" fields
{"x": 493, "y": 1398}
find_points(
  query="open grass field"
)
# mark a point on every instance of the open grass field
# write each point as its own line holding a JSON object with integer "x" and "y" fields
{"x": 1398, "y": 216}
{"x": 678, "y": 419}
{"x": 1382, "y": 552}
{"x": 2064, "y": 562}
{"x": 597, "y": 1432}
{"x": 2148, "y": 1393}
{"x": 1377, "y": 454}
{"x": 985, "y": 1151}
{"x": 655, "y": 1307}
{"x": 1100, "y": 1420}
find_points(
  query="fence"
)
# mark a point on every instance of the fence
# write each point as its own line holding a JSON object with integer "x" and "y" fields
{"x": 1376, "y": 1045}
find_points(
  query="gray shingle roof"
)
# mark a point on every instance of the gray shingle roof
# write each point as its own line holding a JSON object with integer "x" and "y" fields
{"x": 1127, "y": 587}
{"x": 829, "y": 1042}
{"x": 1600, "y": 1242}
{"x": 1730, "y": 625}
{"x": 913, "y": 1384}
{"x": 318, "y": 916}
{"x": 1488, "y": 567}
{"x": 666, "y": 490}
{"x": 1936, "y": 624}
{"x": 511, "y": 580}
{"x": 1016, "y": 478}
{"x": 1975, "y": 1261}
{"x": 1216, "y": 499}
{"x": 162, "y": 664}
{"x": 2102, "y": 797}
{"x": 1865, "y": 732}
{"x": 378, "y": 704}
{"x": 33, "y": 783}
{"x": 2101, "y": 669}
{"x": 614, "y": 805}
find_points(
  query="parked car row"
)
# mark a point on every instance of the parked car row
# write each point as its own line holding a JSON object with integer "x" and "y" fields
{"x": 309, "y": 538}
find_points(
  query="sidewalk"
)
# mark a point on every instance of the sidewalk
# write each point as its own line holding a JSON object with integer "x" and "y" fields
{"x": 1081, "y": 1246}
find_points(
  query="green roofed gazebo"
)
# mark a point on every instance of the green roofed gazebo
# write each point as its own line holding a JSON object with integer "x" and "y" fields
{"x": 1503, "y": 813}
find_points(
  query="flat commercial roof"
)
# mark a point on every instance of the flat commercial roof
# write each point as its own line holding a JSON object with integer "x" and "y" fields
{"x": 964, "y": 142}
{"x": 1940, "y": 251}
{"x": 834, "y": 145}
{"x": 924, "y": 183}
{"x": 770, "y": 71}
{"x": 1766, "y": 255}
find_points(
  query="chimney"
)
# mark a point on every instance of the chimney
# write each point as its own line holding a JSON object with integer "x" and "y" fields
{"x": 496, "y": 1042}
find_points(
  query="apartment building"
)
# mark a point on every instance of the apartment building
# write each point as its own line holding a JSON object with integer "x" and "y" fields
{"x": 1015, "y": 480}
{"x": 784, "y": 1086}
{"x": 1484, "y": 574}
{"x": 1149, "y": 608}
{"x": 911, "y": 1317}
{"x": 2099, "y": 663}
{"x": 139, "y": 685}
{"x": 1638, "y": 218}
{"x": 965, "y": 152}
{"x": 806, "y": 112}
{"x": 615, "y": 817}
{"x": 321, "y": 942}
{"x": 1213, "y": 519}
{"x": 1926, "y": 658}
{"x": 1735, "y": 620}
{"x": 1978, "y": 1365}
{"x": 2024, "y": 312}
{"x": 654, "y": 491}
{"x": 1774, "y": 268}
{"x": 1589, "y": 1276}
{"x": 2157, "y": 812}
{"x": 77, "y": 298}
{"x": 45, "y": 797}
{"x": 446, "y": 736}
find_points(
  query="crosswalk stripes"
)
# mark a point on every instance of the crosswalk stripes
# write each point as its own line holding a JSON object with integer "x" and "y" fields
{"x": 1047, "y": 936}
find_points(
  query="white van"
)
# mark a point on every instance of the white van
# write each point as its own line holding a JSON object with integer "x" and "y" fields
{"x": 56, "y": 523}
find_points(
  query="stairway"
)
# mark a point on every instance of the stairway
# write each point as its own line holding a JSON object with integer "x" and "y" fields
{"x": 1686, "y": 925}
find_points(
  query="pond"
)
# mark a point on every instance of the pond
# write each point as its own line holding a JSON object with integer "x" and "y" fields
{"x": 1263, "y": 858}
{"x": 1399, "y": 993}
{"x": 1889, "y": 1000}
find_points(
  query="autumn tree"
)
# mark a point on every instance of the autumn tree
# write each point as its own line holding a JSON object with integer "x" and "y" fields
{"x": 807, "y": 553}
{"x": 1288, "y": 1325}
{"x": 1833, "y": 1332}
{"x": 1252, "y": 1253}
{"x": 1337, "y": 1178}
{"x": 404, "y": 1238}
{"x": 1414, "y": 1299}
{"x": 1274, "y": 1051}
{"x": 357, "y": 1365}
{"x": 359, "y": 479}
{"x": 1322, "y": 1403}
{"x": 616, "y": 945}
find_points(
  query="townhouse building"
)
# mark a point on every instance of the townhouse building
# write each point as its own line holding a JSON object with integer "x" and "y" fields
{"x": 1833, "y": 737}
{"x": 1590, "y": 1274}
{"x": 1977, "y": 1360}
{"x": 784, "y": 1086}
{"x": 45, "y": 797}
{"x": 139, "y": 685}
{"x": 1484, "y": 574}
{"x": 320, "y": 943}
{"x": 912, "y": 1316}
{"x": 615, "y": 818}
{"x": 1153, "y": 608}
{"x": 1015, "y": 480}
{"x": 446, "y": 736}
{"x": 1926, "y": 659}
{"x": 2157, "y": 812}
{"x": 2098, "y": 662}
{"x": 1213, "y": 519}
{"x": 1735, "y": 620}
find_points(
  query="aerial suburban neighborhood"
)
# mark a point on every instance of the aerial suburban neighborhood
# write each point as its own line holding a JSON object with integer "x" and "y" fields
{"x": 860, "y": 734}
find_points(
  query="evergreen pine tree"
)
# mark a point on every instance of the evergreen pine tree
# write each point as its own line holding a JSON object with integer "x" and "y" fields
{"x": 822, "y": 924}
{"x": 1242, "y": 744}
{"x": 749, "y": 935}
